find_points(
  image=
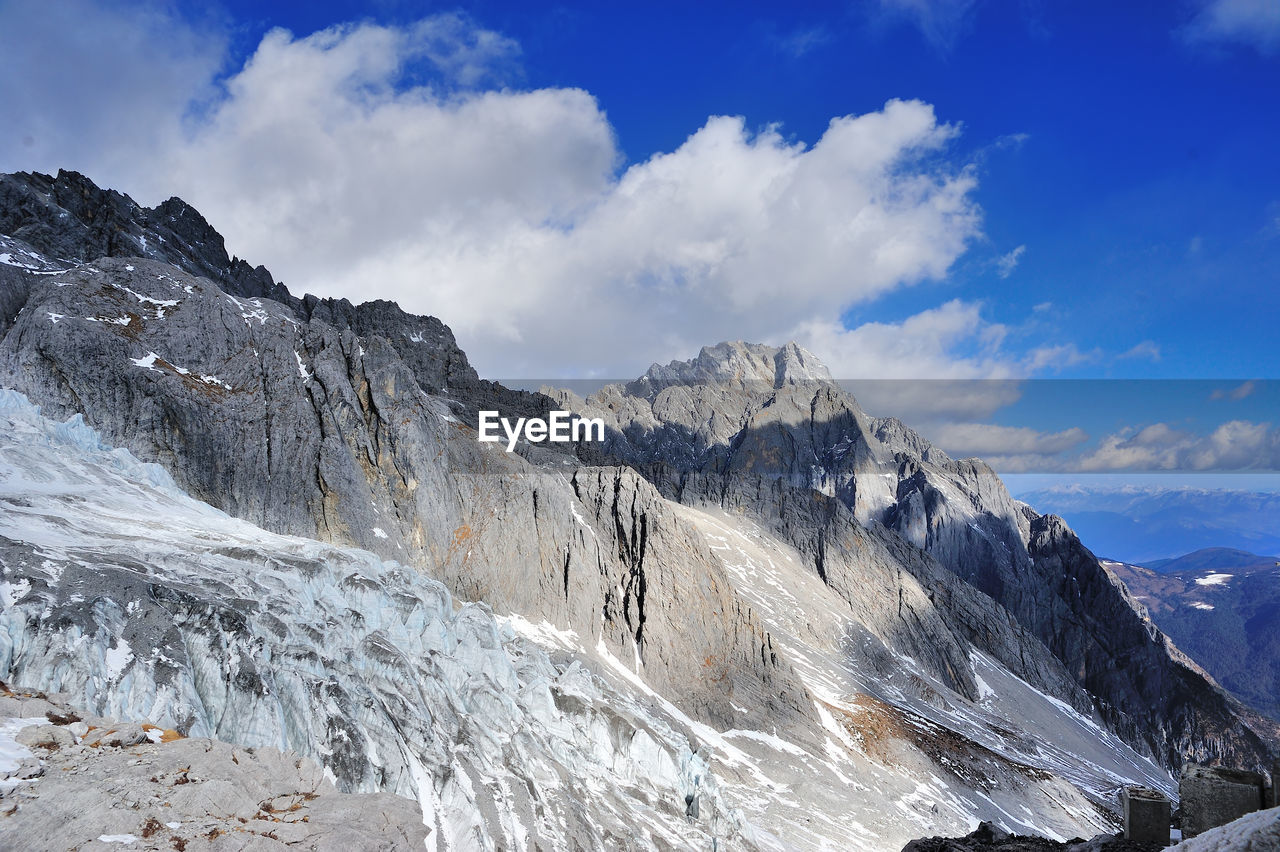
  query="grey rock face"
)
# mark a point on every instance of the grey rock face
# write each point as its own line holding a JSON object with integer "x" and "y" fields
{"x": 68, "y": 218}
{"x": 738, "y": 365}
{"x": 146, "y": 604}
{"x": 351, "y": 425}
{"x": 724, "y": 424}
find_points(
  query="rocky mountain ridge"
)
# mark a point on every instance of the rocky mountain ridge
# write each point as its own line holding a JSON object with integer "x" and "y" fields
{"x": 739, "y": 417}
{"x": 119, "y": 589}
{"x": 901, "y": 584}
{"x": 1224, "y": 609}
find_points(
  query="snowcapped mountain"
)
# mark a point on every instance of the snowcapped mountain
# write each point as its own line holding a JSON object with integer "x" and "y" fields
{"x": 122, "y": 590}
{"x": 148, "y": 604}
{"x": 754, "y": 617}
{"x": 1145, "y": 524}
{"x": 754, "y": 440}
{"x": 1223, "y": 607}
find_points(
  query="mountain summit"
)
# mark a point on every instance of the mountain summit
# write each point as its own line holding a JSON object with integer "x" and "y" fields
{"x": 753, "y": 612}
{"x": 736, "y": 364}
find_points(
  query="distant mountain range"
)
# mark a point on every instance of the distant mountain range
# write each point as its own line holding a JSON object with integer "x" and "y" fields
{"x": 1222, "y": 607}
{"x": 1215, "y": 559}
{"x": 1146, "y": 525}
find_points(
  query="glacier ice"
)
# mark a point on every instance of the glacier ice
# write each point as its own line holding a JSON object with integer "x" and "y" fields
{"x": 143, "y": 603}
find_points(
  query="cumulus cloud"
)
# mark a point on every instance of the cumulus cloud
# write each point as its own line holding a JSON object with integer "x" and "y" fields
{"x": 462, "y": 52}
{"x": 1235, "y": 445}
{"x": 991, "y": 440}
{"x": 947, "y": 362}
{"x": 89, "y": 86}
{"x": 1252, "y": 22}
{"x": 355, "y": 162}
{"x": 927, "y": 345}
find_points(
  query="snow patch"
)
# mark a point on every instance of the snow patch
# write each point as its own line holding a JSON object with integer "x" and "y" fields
{"x": 117, "y": 658}
{"x": 12, "y": 753}
{"x": 11, "y": 592}
{"x": 1213, "y": 579}
{"x": 148, "y": 361}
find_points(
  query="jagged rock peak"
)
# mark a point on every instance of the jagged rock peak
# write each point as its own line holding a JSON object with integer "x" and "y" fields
{"x": 737, "y": 364}
{"x": 71, "y": 218}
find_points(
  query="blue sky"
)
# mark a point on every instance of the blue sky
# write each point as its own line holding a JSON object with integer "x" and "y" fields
{"x": 1146, "y": 190}
{"x": 911, "y": 188}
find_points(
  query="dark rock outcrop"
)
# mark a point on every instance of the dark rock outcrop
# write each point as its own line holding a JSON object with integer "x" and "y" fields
{"x": 712, "y": 429}
{"x": 989, "y": 838}
{"x": 353, "y": 425}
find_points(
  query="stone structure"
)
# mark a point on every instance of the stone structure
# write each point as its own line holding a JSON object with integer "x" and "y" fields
{"x": 1147, "y": 814}
{"x": 1214, "y": 796}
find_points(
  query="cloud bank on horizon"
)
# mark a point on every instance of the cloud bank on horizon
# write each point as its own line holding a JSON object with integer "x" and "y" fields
{"x": 371, "y": 160}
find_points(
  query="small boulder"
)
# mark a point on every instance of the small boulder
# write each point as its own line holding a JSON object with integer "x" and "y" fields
{"x": 48, "y": 737}
{"x": 124, "y": 736}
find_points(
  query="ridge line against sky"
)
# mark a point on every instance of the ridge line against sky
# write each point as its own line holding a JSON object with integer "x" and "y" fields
{"x": 911, "y": 189}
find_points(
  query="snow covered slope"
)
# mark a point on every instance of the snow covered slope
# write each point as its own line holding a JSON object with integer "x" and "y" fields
{"x": 145, "y": 604}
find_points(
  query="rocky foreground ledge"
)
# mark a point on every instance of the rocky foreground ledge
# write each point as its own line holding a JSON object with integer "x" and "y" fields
{"x": 76, "y": 782}
{"x": 989, "y": 838}
{"x": 1255, "y": 832}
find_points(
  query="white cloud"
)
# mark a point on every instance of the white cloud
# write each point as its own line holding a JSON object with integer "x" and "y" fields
{"x": 991, "y": 440}
{"x": 1253, "y": 22}
{"x": 1058, "y": 357}
{"x": 1006, "y": 263}
{"x": 463, "y": 52}
{"x": 1147, "y": 349}
{"x": 940, "y": 21}
{"x": 1235, "y": 445}
{"x": 504, "y": 212}
{"x": 802, "y": 41}
{"x": 929, "y": 345}
{"x": 98, "y": 89}
{"x": 943, "y": 363}
{"x": 1235, "y": 394}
